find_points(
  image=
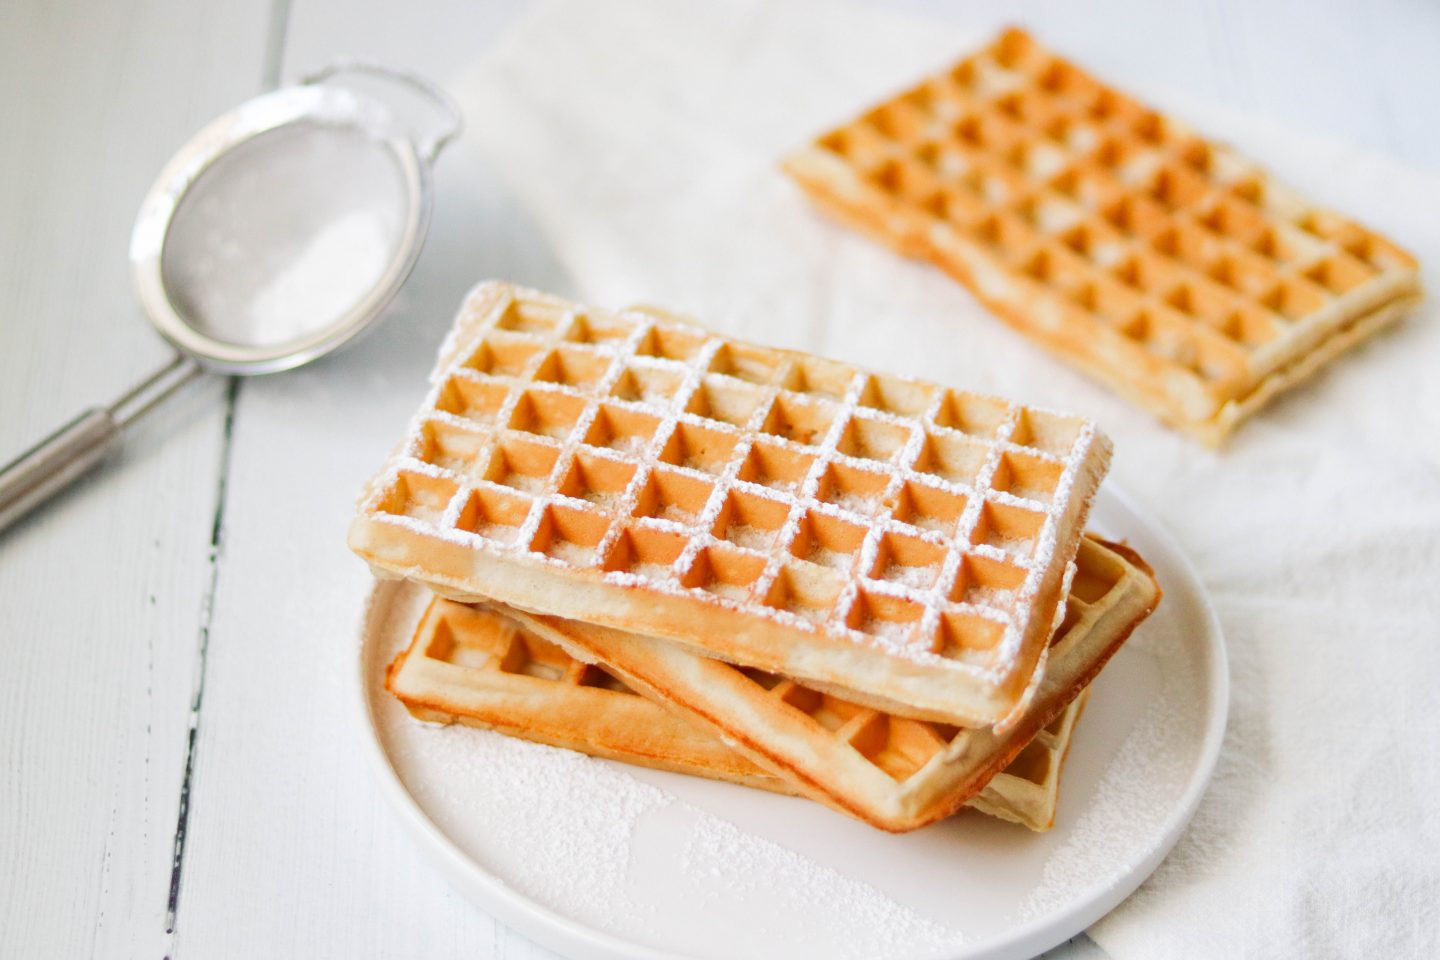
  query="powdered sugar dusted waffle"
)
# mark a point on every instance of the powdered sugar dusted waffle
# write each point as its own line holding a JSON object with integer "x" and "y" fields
{"x": 903, "y": 541}
{"x": 892, "y": 772}
{"x": 1162, "y": 263}
{"x": 477, "y": 666}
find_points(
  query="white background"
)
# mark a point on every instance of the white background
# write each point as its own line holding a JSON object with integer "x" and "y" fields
{"x": 183, "y": 605}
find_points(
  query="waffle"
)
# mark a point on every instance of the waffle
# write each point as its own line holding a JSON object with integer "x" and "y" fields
{"x": 893, "y": 772}
{"x": 1161, "y": 263}
{"x": 893, "y": 538}
{"x": 477, "y": 666}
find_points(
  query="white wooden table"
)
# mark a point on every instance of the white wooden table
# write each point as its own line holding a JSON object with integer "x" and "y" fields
{"x": 177, "y": 777}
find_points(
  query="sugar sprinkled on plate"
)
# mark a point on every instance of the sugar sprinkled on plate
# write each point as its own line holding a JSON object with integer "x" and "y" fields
{"x": 1122, "y": 823}
{"x": 870, "y": 923}
{"x": 561, "y": 828}
{"x": 574, "y": 819}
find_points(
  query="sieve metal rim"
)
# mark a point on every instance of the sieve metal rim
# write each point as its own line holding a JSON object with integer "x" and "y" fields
{"x": 306, "y": 103}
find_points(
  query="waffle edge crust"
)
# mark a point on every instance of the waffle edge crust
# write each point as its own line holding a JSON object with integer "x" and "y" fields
{"x": 478, "y": 667}
{"x": 906, "y": 543}
{"x": 1163, "y": 264}
{"x": 893, "y": 772}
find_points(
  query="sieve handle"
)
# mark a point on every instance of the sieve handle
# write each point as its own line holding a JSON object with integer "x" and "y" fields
{"x": 82, "y": 444}
{"x": 56, "y": 462}
{"x": 430, "y": 147}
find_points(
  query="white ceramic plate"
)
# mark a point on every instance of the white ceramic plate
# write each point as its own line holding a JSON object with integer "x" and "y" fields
{"x": 597, "y": 859}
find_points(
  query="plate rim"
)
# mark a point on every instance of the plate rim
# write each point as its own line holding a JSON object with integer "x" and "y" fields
{"x": 1046, "y": 932}
{"x": 569, "y": 937}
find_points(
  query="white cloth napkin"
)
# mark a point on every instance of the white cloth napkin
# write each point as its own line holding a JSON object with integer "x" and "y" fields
{"x": 643, "y": 137}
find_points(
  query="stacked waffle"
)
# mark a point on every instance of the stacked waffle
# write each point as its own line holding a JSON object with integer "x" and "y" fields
{"x": 1162, "y": 263}
{"x": 656, "y": 544}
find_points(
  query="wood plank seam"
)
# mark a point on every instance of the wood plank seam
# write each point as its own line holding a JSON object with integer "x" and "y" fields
{"x": 270, "y": 79}
{"x": 207, "y": 606}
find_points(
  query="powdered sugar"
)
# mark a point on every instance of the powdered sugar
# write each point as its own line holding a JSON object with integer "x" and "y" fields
{"x": 870, "y": 923}
{"x": 564, "y": 829}
{"x": 672, "y": 412}
{"x": 246, "y": 274}
{"x": 476, "y": 778}
{"x": 335, "y": 270}
{"x": 1124, "y": 822}
{"x": 712, "y": 869}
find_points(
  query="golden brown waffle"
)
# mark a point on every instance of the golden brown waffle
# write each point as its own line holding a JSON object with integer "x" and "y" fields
{"x": 1162, "y": 263}
{"x": 895, "y": 773}
{"x": 903, "y": 541}
{"x": 477, "y": 666}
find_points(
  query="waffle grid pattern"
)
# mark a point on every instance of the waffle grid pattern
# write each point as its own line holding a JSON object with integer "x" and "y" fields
{"x": 481, "y": 641}
{"x": 896, "y": 772}
{"x": 481, "y": 649}
{"x": 900, "y": 746}
{"x": 1180, "y": 257}
{"x": 915, "y": 517}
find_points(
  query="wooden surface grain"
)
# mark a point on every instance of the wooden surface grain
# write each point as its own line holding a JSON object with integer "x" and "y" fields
{"x": 183, "y": 623}
{"x": 102, "y": 599}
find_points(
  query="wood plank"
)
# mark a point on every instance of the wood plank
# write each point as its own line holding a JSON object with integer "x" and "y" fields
{"x": 101, "y": 597}
{"x": 291, "y": 845}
